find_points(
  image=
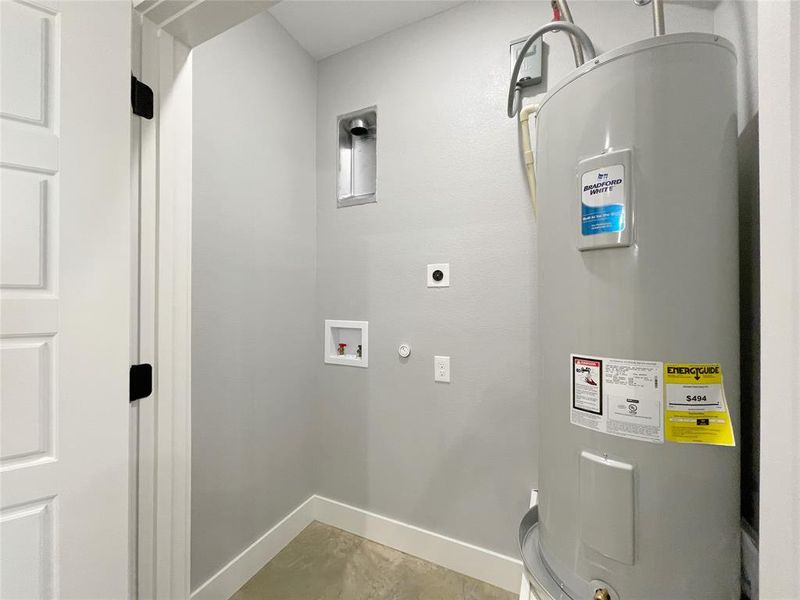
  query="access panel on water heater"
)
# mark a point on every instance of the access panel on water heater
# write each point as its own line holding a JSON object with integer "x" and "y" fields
{"x": 605, "y": 215}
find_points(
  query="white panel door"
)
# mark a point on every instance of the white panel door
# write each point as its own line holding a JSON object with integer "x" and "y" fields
{"x": 64, "y": 298}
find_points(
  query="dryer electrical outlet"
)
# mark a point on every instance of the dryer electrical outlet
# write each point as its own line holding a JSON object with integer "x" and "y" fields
{"x": 439, "y": 275}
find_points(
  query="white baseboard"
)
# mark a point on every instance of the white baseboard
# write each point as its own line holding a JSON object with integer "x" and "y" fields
{"x": 223, "y": 584}
{"x": 486, "y": 565}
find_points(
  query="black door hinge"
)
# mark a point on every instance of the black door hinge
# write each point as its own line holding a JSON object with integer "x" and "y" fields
{"x": 141, "y": 98}
{"x": 141, "y": 381}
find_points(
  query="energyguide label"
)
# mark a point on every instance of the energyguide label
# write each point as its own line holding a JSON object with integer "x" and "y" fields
{"x": 650, "y": 401}
{"x": 696, "y": 409}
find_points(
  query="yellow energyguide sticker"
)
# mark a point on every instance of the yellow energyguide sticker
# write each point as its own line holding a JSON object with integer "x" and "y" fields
{"x": 695, "y": 409}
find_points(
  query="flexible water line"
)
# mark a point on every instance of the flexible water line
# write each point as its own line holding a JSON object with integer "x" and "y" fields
{"x": 658, "y": 18}
{"x": 566, "y": 14}
{"x": 513, "y": 88}
{"x": 658, "y": 15}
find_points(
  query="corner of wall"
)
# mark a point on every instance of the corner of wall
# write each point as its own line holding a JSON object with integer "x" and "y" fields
{"x": 737, "y": 21}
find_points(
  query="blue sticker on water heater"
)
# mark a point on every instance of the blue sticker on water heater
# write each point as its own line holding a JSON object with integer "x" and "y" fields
{"x": 602, "y": 219}
{"x": 603, "y": 200}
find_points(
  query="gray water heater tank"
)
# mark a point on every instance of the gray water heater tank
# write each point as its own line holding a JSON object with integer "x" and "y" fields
{"x": 638, "y": 273}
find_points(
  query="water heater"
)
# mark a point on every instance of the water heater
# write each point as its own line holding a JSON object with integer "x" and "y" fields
{"x": 638, "y": 333}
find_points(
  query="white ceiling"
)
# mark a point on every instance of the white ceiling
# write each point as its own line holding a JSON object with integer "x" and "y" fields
{"x": 325, "y": 27}
{"x": 195, "y": 21}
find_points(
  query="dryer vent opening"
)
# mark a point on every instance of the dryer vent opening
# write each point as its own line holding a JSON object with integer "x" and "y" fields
{"x": 358, "y": 127}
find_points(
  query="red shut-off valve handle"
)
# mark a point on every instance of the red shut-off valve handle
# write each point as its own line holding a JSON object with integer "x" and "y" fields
{"x": 556, "y": 11}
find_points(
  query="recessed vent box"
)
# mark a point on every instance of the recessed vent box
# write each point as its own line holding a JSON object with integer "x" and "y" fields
{"x": 357, "y": 134}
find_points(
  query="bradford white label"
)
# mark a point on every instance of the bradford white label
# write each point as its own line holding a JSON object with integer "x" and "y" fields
{"x": 603, "y": 200}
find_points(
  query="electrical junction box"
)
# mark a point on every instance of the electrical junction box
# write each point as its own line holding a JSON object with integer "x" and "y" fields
{"x": 530, "y": 72}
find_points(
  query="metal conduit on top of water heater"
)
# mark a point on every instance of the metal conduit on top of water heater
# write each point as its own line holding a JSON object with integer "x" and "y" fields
{"x": 637, "y": 272}
{"x": 579, "y": 41}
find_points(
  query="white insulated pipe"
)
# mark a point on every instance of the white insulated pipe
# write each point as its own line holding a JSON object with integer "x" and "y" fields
{"x": 527, "y": 151}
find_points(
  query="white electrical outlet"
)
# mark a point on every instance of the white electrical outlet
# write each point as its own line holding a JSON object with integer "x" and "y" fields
{"x": 441, "y": 369}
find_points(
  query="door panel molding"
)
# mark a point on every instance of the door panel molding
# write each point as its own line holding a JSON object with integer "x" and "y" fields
{"x": 64, "y": 298}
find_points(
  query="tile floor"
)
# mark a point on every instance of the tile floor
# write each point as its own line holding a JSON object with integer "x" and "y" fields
{"x": 325, "y": 563}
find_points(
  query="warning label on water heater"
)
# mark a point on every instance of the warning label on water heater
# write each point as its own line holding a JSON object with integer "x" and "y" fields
{"x": 618, "y": 396}
{"x": 603, "y": 200}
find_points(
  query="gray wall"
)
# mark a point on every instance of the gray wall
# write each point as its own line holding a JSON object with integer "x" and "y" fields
{"x": 253, "y": 287}
{"x": 271, "y": 423}
{"x": 458, "y": 459}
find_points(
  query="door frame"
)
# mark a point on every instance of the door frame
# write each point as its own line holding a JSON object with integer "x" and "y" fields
{"x": 174, "y": 325}
{"x": 162, "y": 475}
{"x": 779, "y": 157}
